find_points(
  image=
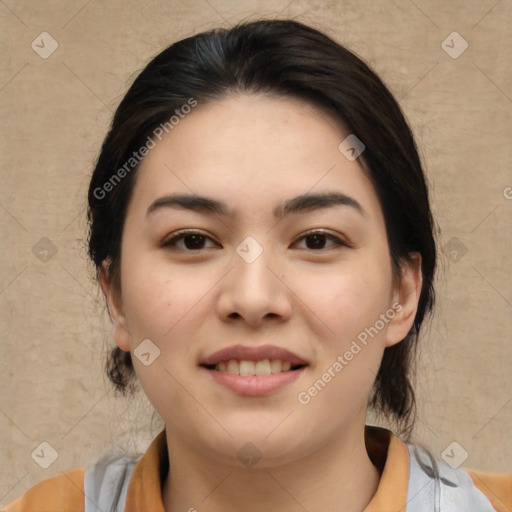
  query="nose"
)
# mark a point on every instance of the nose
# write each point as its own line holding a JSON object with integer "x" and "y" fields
{"x": 255, "y": 291}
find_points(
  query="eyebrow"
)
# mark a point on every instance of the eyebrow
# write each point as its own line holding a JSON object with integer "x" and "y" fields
{"x": 299, "y": 204}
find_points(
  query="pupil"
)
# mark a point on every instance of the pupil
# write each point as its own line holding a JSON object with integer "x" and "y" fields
{"x": 197, "y": 241}
{"x": 318, "y": 241}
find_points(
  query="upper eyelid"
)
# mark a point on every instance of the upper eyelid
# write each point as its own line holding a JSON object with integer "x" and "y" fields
{"x": 318, "y": 231}
{"x": 185, "y": 232}
{"x": 340, "y": 239}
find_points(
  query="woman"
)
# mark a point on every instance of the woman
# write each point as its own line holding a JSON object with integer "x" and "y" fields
{"x": 261, "y": 227}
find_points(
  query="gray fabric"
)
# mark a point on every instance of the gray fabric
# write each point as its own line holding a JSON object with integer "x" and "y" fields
{"x": 434, "y": 486}
{"x": 106, "y": 482}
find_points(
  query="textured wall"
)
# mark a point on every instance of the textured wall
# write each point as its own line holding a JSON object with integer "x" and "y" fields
{"x": 55, "y": 111}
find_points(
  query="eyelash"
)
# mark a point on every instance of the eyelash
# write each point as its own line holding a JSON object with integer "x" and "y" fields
{"x": 170, "y": 242}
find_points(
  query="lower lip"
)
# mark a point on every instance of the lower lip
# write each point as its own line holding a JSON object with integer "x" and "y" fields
{"x": 255, "y": 385}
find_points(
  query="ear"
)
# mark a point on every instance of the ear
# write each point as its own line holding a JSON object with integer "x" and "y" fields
{"x": 405, "y": 300}
{"x": 112, "y": 296}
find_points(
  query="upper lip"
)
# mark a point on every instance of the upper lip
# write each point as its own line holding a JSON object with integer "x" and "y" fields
{"x": 243, "y": 353}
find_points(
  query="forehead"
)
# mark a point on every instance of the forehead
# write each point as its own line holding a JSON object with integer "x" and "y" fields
{"x": 252, "y": 151}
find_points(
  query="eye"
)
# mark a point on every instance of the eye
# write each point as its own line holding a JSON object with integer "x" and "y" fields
{"x": 188, "y": 240}
{"x": 191, "y": 240}
{"x": 316, "y": 240}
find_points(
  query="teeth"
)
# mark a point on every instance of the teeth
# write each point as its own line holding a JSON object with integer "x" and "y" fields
{"x": 248, "y": 368}
{"x": 233, "y": 367}
{"x": 276, "y": 366}
{"x": 262, "y": 367}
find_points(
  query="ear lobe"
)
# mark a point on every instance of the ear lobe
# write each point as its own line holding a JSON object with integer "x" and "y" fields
{"x": 407, "y": 295}
{"x": 112, "y": 296}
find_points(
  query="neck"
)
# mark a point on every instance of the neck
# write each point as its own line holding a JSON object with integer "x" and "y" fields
{"x": 338, "y": 476}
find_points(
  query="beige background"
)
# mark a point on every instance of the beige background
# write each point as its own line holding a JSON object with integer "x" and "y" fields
{"x": 55, "y": 112}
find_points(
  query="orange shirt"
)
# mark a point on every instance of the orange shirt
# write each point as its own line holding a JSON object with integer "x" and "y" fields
{"x": 64, "y": 493}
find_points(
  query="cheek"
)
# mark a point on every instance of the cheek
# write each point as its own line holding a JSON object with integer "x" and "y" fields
{"x": 156, "y": 300}
{"x": 350, "y": 351}
{"x": 347, "y": 300}
{"x": 161, "y": 307}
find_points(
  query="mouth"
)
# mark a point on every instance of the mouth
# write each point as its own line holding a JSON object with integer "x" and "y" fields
{"x": 247, "y": 368}
{"x": 254, "y": 371}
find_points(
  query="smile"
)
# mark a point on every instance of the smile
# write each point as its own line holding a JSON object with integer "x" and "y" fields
{"x": 253, "y": 370}
{"x": 248, "y": 368}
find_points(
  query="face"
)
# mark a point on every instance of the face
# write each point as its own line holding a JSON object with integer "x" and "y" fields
{"x": 254, "y": 270}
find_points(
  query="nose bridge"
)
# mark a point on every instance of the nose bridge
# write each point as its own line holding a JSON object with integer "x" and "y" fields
{"x": 251, "y": 268}
{"x": 254, "y": 291}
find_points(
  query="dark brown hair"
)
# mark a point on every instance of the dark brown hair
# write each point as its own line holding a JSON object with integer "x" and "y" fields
{"x": 288, "y": 59}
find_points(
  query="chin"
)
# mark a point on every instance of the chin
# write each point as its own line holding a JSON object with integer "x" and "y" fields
{"x": 258, "y": 452}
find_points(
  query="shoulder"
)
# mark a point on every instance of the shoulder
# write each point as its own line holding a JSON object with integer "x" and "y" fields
{"x": 433, "y": 480}
{"x": 63, "y": 493}
{"x": 496, "y": 487}
{"x": 101, "y": 484}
